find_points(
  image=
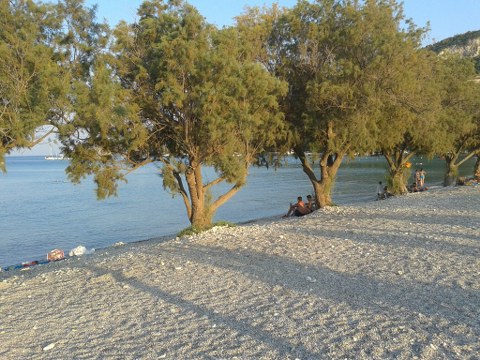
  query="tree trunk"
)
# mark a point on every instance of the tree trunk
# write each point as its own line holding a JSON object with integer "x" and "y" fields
{"x": 329, "y": 164}
{"x": 398, "y": 180}
{"x": 476, "y": 168}
{"x": 200, "y": 207}
{"x": 322, "y": 192}
{"x": 199, "y": 214}
{"x": 201, "y": 218}
{"x": 399, "y": 171}
{"x": 451, "y": 173}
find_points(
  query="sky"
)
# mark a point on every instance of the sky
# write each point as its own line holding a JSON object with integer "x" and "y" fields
{"x": 446, "y": 17}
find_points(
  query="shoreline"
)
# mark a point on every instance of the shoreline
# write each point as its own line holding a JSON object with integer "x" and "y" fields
{"x": 398, "y": 278}
{"x": 33, "y": 263}
{"x": 82, "y": 220}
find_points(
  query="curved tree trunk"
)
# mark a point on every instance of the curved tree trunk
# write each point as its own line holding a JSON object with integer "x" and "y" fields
{"x": 398, "y": 171}
{"x": 452, "y": 163}
{"x": 451, "y": 170}
{"x": 200, "y": 208}
{"x": 322, "y": 190}
{"x": 329, "y": 165}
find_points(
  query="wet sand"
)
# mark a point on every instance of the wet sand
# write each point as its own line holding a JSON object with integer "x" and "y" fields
{"x": 393, "y": 279}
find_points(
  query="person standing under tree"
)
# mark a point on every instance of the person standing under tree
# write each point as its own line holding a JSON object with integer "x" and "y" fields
{"x": 422, "y": 178}
{"x": 379, "y": 191}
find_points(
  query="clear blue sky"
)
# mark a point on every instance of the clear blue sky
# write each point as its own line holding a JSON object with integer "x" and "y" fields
{"x": 447, "y": 18}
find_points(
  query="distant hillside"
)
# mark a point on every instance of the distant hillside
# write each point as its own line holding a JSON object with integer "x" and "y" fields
{"x": 466, "y": 45}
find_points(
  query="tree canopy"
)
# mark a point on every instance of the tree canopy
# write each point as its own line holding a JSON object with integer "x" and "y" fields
{"x": 329, "y": 79}
{"x": 179, "y": 92}
{"x": 460, "y": 112}
{"x": 31, "y": 80}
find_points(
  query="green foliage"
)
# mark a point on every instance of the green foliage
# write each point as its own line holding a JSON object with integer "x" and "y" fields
{"x": 32, "y": 83}
{"x": 352, "y": 73}
{"x": 46, "y": 53}
{"x": 460, "y": 105}
{"x": 477, "y": 64}
{"x": 336, "y": 78}
{"x": 178, "y": 92}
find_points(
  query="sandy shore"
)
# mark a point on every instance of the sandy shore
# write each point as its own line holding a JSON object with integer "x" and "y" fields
{"x": 394, "y": 279}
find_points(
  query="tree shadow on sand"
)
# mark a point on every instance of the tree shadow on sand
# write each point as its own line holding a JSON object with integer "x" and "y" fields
{"x": 358, "y": 291}
{"x": 455, "y": 306}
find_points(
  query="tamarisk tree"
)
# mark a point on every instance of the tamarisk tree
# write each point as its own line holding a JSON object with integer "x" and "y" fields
{"x": 31, "y": 81}
{"x": 178, "y": 92}
{"x": 337, "y": 57}
{"x": 46, "y": 50}
{"x": 460, "y": 111}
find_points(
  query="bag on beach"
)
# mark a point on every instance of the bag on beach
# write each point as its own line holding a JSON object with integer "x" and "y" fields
{"x": 55, "y": 255}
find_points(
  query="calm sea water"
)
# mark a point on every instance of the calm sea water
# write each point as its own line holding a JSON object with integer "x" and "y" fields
{"x": 42, "y": 210}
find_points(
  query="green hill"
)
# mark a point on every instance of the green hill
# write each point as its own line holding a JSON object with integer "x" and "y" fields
{"x": 466, "y": 45}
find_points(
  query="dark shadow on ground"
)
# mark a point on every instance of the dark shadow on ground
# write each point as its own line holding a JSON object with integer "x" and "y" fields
{"x": 455, "y": 304}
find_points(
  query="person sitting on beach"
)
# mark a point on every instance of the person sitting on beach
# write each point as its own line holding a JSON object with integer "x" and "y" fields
{"x": 310, "y": 205}
{"x": 297, "y": 209}
{"x": 385, "y": 193}
{"x": 413, "y": 187}
{"x": 417, "y": 178}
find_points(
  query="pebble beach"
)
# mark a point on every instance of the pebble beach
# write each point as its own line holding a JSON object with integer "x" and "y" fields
{"x": 391, "y": 279}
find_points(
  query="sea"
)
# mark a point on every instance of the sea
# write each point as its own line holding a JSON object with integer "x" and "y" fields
{"x": 42, "y": 210}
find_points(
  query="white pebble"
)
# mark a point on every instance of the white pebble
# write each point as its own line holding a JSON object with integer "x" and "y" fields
{"x": 49, "y": 347}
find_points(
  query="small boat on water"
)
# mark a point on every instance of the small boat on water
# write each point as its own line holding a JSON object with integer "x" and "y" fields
{"x": 54, "y": 157}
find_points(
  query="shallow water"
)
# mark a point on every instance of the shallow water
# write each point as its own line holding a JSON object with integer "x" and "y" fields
{"x": 42, "y": 210}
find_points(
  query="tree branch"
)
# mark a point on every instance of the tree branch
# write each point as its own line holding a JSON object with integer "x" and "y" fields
{"x": 306, "y": 166}
{"x": 213, "y": 183}
{"x": 466, "y": 158}
{"x": 43, "y": 137}
{"x": 225, "y": 197}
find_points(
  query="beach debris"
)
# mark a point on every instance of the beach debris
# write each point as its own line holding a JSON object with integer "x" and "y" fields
{"x": 49, "y": 347}
{"x": 80, "y": 250}
{"x": 55, "y": 255}
{"x": 120, "y": 243}
{"x": 23, "y": 265}
{"x": 310, "y": 279}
